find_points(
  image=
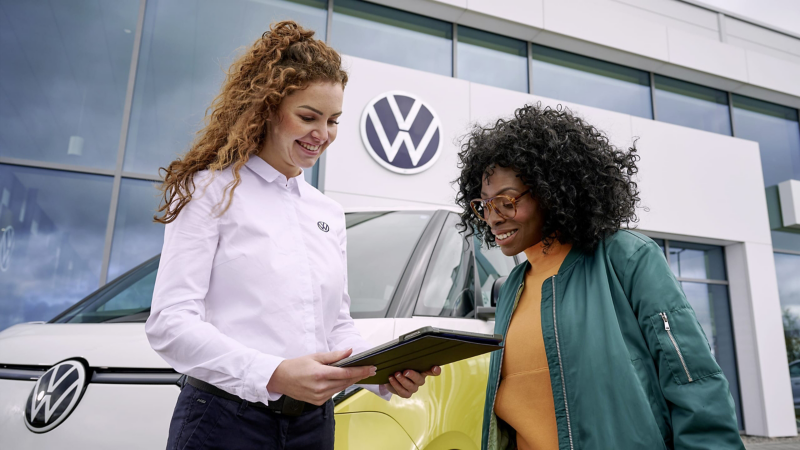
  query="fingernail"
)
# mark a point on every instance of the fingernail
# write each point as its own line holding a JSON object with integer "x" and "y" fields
{"x": 407, "y": 374}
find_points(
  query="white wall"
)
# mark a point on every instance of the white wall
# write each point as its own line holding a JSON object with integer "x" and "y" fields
{"x": 697, "y": 185}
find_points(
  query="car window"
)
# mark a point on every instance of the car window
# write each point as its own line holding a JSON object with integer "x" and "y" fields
{"x": 379, "y": 246}
{"x": 126, "y": 299}
{"x": 794, "y": 370}
{"x": 492, "y": 264}
{"x": 448, "y": 286}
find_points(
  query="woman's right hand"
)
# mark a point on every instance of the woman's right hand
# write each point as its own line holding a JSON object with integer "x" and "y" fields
{"x": 310, "y": 378}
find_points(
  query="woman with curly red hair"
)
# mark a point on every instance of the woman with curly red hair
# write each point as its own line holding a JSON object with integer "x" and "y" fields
{"x": 250, "y": 300}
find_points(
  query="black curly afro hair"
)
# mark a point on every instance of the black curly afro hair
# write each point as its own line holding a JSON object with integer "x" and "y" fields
{"x": 582, "y": 182}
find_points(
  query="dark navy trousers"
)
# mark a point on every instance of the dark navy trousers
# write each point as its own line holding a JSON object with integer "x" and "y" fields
{"x": 205, "y": 421}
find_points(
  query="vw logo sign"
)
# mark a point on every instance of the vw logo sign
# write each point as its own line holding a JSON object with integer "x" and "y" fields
{"x": 401, "y": 132}
{"x": 54, "y": 396}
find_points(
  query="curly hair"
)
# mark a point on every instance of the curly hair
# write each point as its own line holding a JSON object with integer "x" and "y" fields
{"x": 285, "y": 59}
{"x": 582, "y": 182}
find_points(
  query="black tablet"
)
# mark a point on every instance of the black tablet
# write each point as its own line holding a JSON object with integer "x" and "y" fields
{"x": 420, "y": 350}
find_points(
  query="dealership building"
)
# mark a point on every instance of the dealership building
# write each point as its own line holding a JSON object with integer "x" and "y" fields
{"x": 96, "y": 96}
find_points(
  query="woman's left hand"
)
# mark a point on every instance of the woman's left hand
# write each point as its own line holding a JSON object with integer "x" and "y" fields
{"x": 407, "y": 383}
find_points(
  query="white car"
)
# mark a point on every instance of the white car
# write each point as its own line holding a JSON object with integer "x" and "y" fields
{"x": 88, "y": 379}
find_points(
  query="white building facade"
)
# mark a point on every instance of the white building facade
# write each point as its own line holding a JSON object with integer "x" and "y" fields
{"x": 710, "y": 98}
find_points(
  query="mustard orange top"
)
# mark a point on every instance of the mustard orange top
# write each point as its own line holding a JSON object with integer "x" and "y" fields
{"x": 525, "y": 398}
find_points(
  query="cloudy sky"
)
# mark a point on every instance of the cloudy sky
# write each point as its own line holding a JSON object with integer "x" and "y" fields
{"x": 784, "y": 14}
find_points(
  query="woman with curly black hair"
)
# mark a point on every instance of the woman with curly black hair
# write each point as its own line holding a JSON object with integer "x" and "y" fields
{"x": 602, "y": 350}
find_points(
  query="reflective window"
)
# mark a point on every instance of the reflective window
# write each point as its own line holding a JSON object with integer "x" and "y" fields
{"x": 712, "y": 308}
{"x": 187, "y": 45}
{"x": 787, "y": 266}
{"x": 378, "y": 248}
{"x": 492, "y": 59}
{"x": 492, "y": 264}
{"x": 698, "y": 261}
{"x": 136, "y": 237}
{"x": 53, "y": 231}
{"x": 63, "y": 79}
{"x": 371, "y": 31}
{"x": 126, "y": 300}
{"x": 692, "y": 105}
{"x": 448, "y": 287}
{"x": 566, "y": 76}
{"x": 708, "y": 297}
{"x": 777, "y": 132}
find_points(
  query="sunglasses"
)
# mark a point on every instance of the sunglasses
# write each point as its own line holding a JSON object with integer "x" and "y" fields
{"x": 504, "y": 205}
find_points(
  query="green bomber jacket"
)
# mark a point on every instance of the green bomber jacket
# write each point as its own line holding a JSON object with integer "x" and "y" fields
{"x": 630, "y": 366}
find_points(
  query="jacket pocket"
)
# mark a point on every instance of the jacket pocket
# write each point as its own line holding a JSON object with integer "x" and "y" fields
{"x": 684, "y": 345}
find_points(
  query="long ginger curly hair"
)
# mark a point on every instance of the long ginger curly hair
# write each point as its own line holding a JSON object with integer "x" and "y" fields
{"x": 285, "y": 59}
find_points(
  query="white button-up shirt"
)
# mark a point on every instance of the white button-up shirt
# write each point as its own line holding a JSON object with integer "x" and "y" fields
{"x": 237, "y": 294}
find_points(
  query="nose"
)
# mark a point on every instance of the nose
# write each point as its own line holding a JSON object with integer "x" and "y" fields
{"x": 320, "y": 133}
{"x": 494, "y": 218}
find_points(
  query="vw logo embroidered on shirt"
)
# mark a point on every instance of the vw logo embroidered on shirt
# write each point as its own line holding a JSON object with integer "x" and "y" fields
{"x": 401, "y": 132}
{"x": 55, "y": 396}
{"x": 323, "y": 226}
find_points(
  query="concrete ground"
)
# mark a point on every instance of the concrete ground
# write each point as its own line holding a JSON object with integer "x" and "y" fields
{"x": 760, "y": 443}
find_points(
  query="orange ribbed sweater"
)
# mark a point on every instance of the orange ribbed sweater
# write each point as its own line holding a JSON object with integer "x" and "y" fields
{"x": 525, "y": 398}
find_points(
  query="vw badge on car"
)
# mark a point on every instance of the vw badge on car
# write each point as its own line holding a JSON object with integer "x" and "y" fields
{"x": 55, "y": 396}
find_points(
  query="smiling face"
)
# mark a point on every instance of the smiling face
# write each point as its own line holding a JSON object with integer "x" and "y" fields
{"x": 522, "y": 231}
{"x": 304, "y": 126}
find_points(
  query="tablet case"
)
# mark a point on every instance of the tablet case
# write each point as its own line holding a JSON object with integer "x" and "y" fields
{"x": 420, "y": 350}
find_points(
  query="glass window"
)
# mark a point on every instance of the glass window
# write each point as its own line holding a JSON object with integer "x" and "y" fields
{"x": 378, "y": 248}
{"x": 787, "y": 266}
{"x": 136, "y": 237}
{"x": 371, "y": 31}
{"x": 492, "y": 59}
{"x": 448, "y": 287}
{"x": 63, "y": 79}
{"x": 187, "y": 45}
{"x": 566, "y": 76}
{"x": 53, "y": 231}
{"x": 492, "y": 264}
{"x": 692, "y": 105}
{"x": 698, "y": 261}
{"x": 712, "y": 308}
{"x": 777, "y": 132}
{"x": 126, "y": 300}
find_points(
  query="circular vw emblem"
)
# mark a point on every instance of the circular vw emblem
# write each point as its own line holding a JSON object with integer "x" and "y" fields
{"x": 54, "y": 396}
{"x": 401, "y": 132}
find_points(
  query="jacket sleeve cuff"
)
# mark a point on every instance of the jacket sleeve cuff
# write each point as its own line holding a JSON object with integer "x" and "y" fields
{"x": 258, "y": 375}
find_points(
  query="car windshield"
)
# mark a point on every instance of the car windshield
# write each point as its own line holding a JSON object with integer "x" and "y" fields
{"x": 379, "y": 245}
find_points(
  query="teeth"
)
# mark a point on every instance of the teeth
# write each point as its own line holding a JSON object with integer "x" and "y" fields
{"x": 505, "y": 235}
{"x": 313, "y": 148}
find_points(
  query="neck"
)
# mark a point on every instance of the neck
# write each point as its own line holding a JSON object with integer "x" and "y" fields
{"x": 555, "y": 254}
{"x": 274, "y": 159}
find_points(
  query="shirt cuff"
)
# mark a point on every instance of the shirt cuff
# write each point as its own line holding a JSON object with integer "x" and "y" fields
{"x": 257, "y": 378}
{"x": 377, "y": 389}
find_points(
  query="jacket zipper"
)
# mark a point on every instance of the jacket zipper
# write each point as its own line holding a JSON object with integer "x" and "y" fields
{"x": 503, "y": 350}
{"x": 561, "y": 366}
{"x": 675, "y": 344}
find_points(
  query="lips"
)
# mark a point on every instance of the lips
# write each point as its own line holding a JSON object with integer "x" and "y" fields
{"x": 502, "y": 237}
{"x": 309, "y": 147}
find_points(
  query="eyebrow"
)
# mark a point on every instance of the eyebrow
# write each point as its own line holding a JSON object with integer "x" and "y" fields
{"x": 318, "y": 111}
{"x": 483, "y": 194}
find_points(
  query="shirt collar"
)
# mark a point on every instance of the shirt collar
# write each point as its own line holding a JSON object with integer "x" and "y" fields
{"x": 270, "y": 174}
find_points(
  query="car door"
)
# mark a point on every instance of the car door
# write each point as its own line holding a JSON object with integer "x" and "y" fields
{"x": 459, "y": 277}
